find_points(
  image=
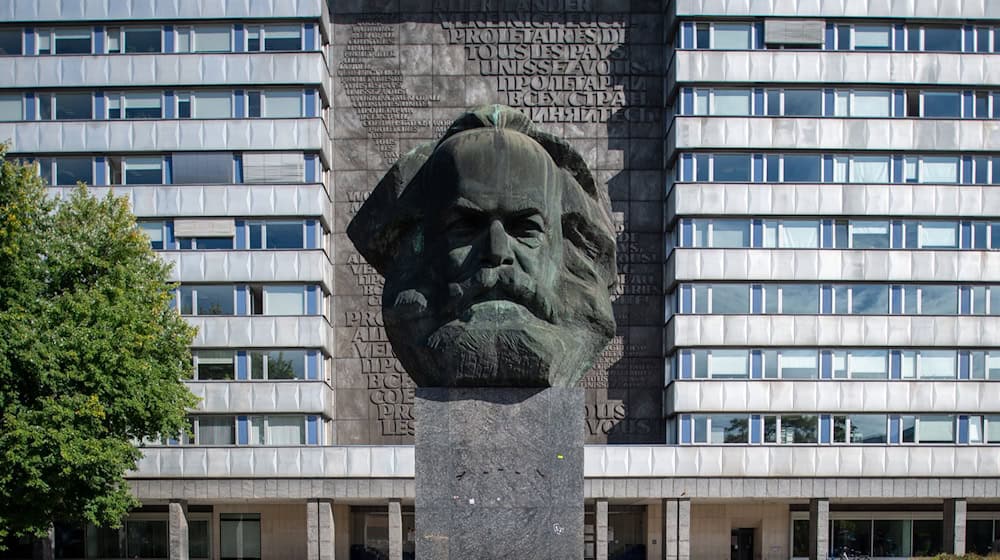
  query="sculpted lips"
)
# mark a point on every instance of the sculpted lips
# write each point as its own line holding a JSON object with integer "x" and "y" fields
{"x": 501, "y": 286}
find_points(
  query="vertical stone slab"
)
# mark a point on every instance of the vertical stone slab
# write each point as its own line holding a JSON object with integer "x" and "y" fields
{"x": 669, "y": 529}
{"x": 819, "y": 528}
{"x": 499, "y": 474}
{"x": 320, "y": 539}
{"x": 395, "y": 530}
{"x": 601, "y": 528}
{"x": 177, "y": 527}
{"x": 955, "y": 510}
{"x": 683, "y": 529}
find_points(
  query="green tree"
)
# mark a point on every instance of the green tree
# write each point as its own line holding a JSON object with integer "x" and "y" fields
{"x": 91, "y": 354}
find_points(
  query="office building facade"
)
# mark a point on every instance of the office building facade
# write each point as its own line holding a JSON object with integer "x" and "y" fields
{"x": 806, "y": 195}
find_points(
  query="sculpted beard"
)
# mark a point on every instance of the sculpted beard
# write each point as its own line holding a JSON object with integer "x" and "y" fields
{"x": 495, "y": 327}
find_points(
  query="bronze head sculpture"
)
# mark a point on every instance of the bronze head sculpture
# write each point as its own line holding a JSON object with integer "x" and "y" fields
{"x": 498, "y": 251}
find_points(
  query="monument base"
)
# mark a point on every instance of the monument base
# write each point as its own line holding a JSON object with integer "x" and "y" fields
{"x": 499, "y": 474}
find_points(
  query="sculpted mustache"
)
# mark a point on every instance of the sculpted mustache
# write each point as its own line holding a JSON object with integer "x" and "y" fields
{"x": 498, "y": 283}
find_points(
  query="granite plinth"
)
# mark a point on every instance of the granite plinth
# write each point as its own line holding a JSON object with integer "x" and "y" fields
{"x": 499, "y": 474}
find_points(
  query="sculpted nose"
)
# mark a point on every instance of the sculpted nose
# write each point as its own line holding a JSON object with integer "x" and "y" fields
{"x": 498, "y": 251}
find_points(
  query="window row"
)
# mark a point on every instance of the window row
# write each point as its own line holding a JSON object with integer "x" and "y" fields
{"x": 275, "y": 429}
{"x": 745, "y": 102}
{"x": 216, "y": 38}
{"x": 228, "y": 233}
{"x": 846, "y": 363}
{"x": 141, "y": 535}
{"x": 838, "y": 299}
{"x": 815, "y": 34}
{"x": 253, "y": 299}
{"x": 854, "y": 429}
{"x": 258, "y": 364}
{"x": 181, "y": 168}
{"x": 725, "y": 233}
{"x": 890, "y": 535}
{"x": 728, "y": 167}
{"x": 135, "y": 105}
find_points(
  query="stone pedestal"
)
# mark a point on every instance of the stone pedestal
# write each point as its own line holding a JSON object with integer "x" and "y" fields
{"x": 499, "y": 474}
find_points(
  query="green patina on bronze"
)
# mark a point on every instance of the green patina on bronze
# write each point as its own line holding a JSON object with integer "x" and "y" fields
{"x": 498, "y": 252}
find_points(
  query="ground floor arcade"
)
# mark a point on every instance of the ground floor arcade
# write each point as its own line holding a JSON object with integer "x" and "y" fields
{"x": 615, "y": 529}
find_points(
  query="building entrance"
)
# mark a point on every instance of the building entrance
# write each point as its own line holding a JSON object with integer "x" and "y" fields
{"x": 741, "y": 542}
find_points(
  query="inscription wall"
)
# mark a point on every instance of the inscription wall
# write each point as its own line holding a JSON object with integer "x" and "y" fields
{"x": 590, "y": 71}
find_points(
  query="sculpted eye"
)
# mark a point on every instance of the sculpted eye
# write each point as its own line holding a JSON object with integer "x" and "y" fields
{"x": 525, "y": 226}
{"x": 462, "y": 225}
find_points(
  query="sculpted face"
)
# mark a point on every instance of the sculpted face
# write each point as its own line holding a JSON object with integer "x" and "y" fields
{"x": 495, "y": 279}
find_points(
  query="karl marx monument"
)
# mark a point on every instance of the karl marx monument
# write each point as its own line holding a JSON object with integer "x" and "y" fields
{"x": 498, "y": 252}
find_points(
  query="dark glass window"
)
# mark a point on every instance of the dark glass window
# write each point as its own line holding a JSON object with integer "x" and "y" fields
{"x": 943, "y": 39}
{"x": 143, "y": 171}
{"x": 143, "y": 41}
{"x": 732, "y": 168}
{"x": 869, "y": 428}
{"x": 702, "y": 36}
{"x": 773, "y": 103}
{"x": 147, "y": 538}
{"x": 74, "y": 106}
{"x": 216, "y": 365}
{"x": 927, "y": 537}
{"x": 253, "y": 39}
{"x": 69, "y": 540}
{"x": 285, "y": 235}
{"x": 802, "y": 169}
{"x": 215, "y": 300}
{"x": 803, "y": 103}
{"x": 979, "y": 536}
{"x": 942, "y": 104}
{"x": 72, "y": 41}
{"x": 10, "y": 41}
{"x": 852, "y": 537}
{"x": 184, "y": 107}
{"x": 799, "y": 428}
{"x": 800, "y": 538}
{"x": 69, "y": 170}
{"x": 253, "y": 103}
{"x": 283, "y": 38}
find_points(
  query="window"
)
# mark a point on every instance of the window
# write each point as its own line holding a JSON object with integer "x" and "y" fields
{"x": 285, "y": 430}
{"x": 70, "y": 170}
{"x": 253, "y": 104}
{"x": 142, "y": 40}
{"x": 114, "y": 40}
{"x": 204, "y": 243}
{"x": 791, "y": 234}
{"x": 143, "y": 170}
{"x": 803, "y": 103}
{"x": 933, "y": 235}
{"x": 206, "y": 300}
{"x": 216, "y": 430}
{"x": 935, "y": 429}
{"x": 861, "y": 364}
{"x": 72, "y": 41}
{"x": 253, "y": 38}
{"x": 723, "y": 298}
{"x": 929, "y": 364}
{"x": 798, "y": 364}
{"x": 721, "y": 428}
{"x": 202, "y": 168}
{"x": 212, "y": 105}
{"x": 943, "y": 39}
{"x": 792, "y": 299}
{"x": 872, "y": 37}
{"x": 732, "y": 36}
{"x": 869, "y": 299}
{"x": 153, "y": 229}
{"x": 282, "y": 104}
{"x": 801, "y": 428}
{"x": 65, "y": 106}
{"x": 861, "y": 428}
{"x": 284, "y": 300}
{"x": 801, "y": 168}
{"x": 869, "y": 235}
{"x": 282, "y": 38}
{"x": 276, "y": 235}
{"x": 183, "y": 105}
{"x": 212, "y": 39}
{"x": 146, "y": 538}
{"x": 214, "y": 365}
{"x": 10, "y": 42}
{"x": 239, "y": 534}
{"x": 945, "y": 104}
{"x": 142, "y": 106}
{"x": 731, "y": 168}
{"x": 869, "y": 169}
{"x": 278, "y": 364}
{"x": 992, "y": 429}
{"x": 731, "y": 102}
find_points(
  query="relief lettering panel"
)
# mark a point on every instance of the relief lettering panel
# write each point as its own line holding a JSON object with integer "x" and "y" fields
{"x": 590, "y": 71}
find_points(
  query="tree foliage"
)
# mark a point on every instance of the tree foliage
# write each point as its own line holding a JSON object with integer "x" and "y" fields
{"x": 91, "y": 354}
